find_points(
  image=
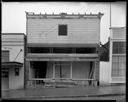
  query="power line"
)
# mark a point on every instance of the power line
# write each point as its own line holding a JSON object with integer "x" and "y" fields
{"x": 18, "y": 54}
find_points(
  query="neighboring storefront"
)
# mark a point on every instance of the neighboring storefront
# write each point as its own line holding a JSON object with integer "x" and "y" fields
{"x": 12, "y": 72}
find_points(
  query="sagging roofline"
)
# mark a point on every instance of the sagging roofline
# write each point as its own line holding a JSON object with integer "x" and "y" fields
{"x": 62, "y": 15}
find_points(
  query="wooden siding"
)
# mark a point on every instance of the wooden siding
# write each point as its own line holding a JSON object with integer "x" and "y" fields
{"x": 79, "y": 31}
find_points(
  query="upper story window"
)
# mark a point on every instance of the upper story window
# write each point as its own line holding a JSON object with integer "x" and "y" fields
{"x": 119, "y": 47}
{"x": 17, "y": 72}
{"x": 5, "y": 56}
{"x": 62, "y": 30}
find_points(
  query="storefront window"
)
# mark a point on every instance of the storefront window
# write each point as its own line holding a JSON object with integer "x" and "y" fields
{"x": 5, "y": 73}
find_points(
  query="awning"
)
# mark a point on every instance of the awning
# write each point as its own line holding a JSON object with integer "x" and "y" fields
{"x": 62, "y": 57}
{"x": 11, "y": 64}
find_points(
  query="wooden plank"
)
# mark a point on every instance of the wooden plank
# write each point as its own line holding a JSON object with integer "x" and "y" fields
{"x": 59, "y": 59}
{"x": 60, "y": 55}
{"x": 62, "y": 45}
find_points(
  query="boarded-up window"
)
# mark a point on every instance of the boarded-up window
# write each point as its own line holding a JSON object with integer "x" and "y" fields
{"x": 119, "y": 47}
{"x": 118, "y": 66}
{"x": 62, "y": 70}
{"x": 5, "y": 56}
{"x": 62, "y": 29}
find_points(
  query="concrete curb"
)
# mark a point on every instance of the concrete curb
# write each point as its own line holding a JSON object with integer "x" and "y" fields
{"x": 46, "y": 97}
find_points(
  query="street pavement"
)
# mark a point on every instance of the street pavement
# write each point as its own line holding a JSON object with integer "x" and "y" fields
{"x": 67, "y": 92}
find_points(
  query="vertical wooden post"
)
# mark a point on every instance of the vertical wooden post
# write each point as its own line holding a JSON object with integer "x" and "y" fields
{"x": 53, "y": 70}
{"x": 71, "y": 71}
{"x": 29, "y": 70}
{"x": 97, "y": 72}
{"x": 26, "y": 74}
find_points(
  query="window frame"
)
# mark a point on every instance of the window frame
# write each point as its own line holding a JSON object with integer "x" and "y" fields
{"x": 61, "y": 28}
{"x": 3, "y": 71}
{"x": 3, "y": 57}
{"x": 118, "y": 49}
{"x": 116, "y": 69}
{"x": 17, "y": 72}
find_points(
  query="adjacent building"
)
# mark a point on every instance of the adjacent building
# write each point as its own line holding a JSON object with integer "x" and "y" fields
{"x": 62, "y": 48}
{"x": 12, "y": 72}
{"x": 118, "y": 54}
{"x": 114, "y": 69}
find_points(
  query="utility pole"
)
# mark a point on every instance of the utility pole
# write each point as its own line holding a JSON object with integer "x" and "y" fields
{"x": 110, "y": 15}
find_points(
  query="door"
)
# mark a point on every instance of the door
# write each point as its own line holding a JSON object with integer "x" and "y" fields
{"x": 5, "y": 79}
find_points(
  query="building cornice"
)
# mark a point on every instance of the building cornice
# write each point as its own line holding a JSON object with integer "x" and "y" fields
{"x": 32, "y": 15}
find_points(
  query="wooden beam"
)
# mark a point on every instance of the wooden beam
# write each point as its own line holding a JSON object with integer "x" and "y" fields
{"x": 59, "y": 59}
{"x": 54, "y": 70}
{"x": 29, "y": 69}
{"x": 71, "y": 71}
{"x": 45, "y": 55}
{"x": 61, "y": 45}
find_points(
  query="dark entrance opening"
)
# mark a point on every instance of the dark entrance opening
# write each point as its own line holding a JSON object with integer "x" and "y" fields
{"x": 40, "y": 69}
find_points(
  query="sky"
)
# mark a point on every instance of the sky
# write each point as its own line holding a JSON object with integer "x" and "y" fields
{"x": 14, "y": 16}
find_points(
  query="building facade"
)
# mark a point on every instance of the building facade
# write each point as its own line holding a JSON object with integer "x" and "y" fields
{"x": 118, "y": 55}
{"x": 62, "y": 48}
{"x": 12, "y": 61}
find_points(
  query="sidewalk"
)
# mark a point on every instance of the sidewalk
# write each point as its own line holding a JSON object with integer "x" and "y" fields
{"x": 88, "y": 91}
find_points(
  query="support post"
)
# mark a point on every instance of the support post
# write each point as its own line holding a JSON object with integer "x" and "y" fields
{"x": 26, "y": 74}
{"x": 97, "y": 72}
{"x": 91, "y": 73}
{"x": 54, "y": 70}
{"x": 71, "y": 71}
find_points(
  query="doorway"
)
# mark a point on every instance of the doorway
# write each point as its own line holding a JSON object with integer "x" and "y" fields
{"x": 5, "y": 79}
{"x": 38, "y": 70}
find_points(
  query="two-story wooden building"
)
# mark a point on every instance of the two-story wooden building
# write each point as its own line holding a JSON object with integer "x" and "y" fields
{"x": 62, "y": 48}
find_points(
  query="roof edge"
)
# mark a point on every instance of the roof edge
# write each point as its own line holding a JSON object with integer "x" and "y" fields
{"x": 13, "y": 33}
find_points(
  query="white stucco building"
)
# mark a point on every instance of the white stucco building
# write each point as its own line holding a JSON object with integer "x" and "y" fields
{"x": 12, "y": 61}
{"x": 114, "y": 70}
{"x": 118, "y": 54}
